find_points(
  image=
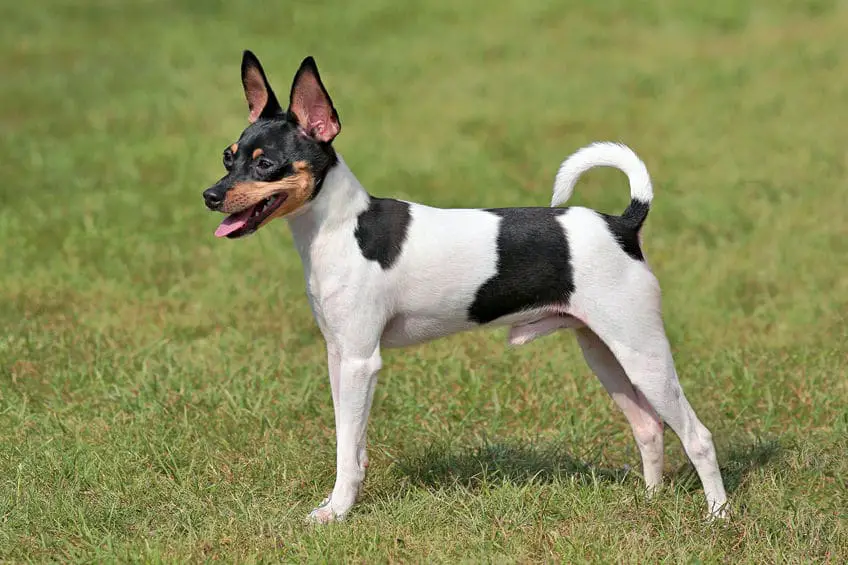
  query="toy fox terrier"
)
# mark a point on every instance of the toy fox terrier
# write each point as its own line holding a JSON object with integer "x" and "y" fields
{"x": 388, "y": 273}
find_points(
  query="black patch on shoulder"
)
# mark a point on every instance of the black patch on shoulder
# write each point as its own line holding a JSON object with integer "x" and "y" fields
{"x": 534, "y": 265}
{"x": 381, "y": 230}
{"x": 625, "y": 234}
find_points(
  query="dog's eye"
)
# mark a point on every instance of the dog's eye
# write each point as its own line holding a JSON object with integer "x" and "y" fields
{"x": 228, "y": 160}
{"x": 264, "y": 164}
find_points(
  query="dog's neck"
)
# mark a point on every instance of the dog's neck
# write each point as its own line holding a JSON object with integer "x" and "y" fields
{"x": 340, "y": 201}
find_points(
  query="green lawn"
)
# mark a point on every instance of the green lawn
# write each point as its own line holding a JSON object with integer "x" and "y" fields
{"x": 163, "y": 394}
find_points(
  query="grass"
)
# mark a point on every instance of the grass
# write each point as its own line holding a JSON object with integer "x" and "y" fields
{"x": 163, "y": 394}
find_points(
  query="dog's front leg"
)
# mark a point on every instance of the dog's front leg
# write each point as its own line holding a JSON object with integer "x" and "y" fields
{"x": 334, "y": 368}
{"x": 357, "y": 377}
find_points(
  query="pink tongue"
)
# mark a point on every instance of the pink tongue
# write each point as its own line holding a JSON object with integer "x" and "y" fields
{"x": 232, "y": 223}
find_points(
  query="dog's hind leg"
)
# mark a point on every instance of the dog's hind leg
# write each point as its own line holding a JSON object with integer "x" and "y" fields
{"x": 631, "y": 326}
{"x": 644, "y": 421}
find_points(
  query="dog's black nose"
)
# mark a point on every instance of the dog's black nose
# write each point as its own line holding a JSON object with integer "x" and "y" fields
{"x": 213, "y": 198}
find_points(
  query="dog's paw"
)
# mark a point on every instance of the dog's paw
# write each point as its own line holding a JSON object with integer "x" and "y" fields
{"x": 720, "y": 514}
{"x": 324, "y": 514}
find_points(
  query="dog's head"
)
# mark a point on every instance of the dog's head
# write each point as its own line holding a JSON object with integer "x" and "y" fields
{"x": 279, "y": 162}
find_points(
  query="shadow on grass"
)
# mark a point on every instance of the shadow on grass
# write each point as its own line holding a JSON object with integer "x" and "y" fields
{"x": 440, "y": 465}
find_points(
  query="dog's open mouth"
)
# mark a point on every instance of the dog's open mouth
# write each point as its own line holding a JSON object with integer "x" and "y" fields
{"x": 245, "y": 222}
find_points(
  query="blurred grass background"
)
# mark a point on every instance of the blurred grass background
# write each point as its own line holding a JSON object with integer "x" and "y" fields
{"x": 163, "y": 394}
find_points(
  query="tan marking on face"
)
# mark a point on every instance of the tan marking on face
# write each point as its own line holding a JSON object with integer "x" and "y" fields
{"x": 256, "y": 153}
{"x": 233, "y": 148}
{"x": 297, "y": 187}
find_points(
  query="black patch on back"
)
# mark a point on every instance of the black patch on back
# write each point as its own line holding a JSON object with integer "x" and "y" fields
{"x": 381, "y": 230}
{"x": 534, "y": 265}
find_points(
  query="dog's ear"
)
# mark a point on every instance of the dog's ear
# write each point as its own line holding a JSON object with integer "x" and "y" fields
{"x": 310, "y": 104}
{"x": 260, "y": 98}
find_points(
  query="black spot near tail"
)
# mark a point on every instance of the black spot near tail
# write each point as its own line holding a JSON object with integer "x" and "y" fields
{"x": 625, "y": 228}
{"x": 636, "y": 213}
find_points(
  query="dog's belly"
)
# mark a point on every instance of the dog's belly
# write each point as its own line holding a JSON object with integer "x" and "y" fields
{"x": 408, "y": 329}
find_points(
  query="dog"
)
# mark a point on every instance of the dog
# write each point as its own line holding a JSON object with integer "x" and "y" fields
{"x": 389, "y": 273}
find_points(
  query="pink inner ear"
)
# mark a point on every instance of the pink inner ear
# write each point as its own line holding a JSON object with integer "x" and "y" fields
{"x": 255, "y": 92}
{"x": 313, "y": 109}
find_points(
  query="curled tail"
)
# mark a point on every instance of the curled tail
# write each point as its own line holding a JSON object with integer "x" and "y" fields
{"x": 608, "y": 154}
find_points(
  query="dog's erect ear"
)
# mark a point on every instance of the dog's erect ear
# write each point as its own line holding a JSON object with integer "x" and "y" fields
{"x": 260, "y": 98}
{"x": 310, "y": 104}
